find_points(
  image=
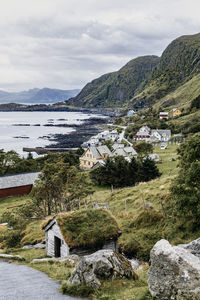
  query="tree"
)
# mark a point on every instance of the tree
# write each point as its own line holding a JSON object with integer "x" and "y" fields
{"x": 9, "y": 162}
{"x": 143, "y": 148}
{"x": 59, "y": 188}
{"x": 186, "y": 188}
{"x": 115, "y": 172}
{"x": 148, "y": 170}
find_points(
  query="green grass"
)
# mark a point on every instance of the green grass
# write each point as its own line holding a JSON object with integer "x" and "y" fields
{"x": 183, "y": 95}
{"x": 87, "y": 227}
{"x": 10, "y": 203}
{"x": 143, "y": 216}
{"x": 33, "y": 233}
{"x": 29, "y": 254}
{"x": 169, "y": 163}
{"x": 55, "y": 270}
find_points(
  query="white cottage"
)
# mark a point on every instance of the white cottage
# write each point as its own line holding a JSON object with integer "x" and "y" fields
{"x": 81, "y": 232}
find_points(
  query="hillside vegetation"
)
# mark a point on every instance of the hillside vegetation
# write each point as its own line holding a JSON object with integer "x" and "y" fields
{"x": 162, "y": 83}
{"x": 118, "y": 87}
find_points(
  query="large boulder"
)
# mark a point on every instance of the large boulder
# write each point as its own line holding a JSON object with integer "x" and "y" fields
{"x": 100, "y": 265}
{"x": 193, "y": 247}
{"x": 174, "y": 272}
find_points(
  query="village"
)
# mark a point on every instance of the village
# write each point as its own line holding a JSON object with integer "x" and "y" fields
{"x": 95, "y": 229}
{"x": 96, "y": 149}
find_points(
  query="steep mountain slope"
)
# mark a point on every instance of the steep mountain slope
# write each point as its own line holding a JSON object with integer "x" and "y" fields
{"x": 179, "y": 64}
{"x": 36, "y": 95}
{"x": 115, "y": 89}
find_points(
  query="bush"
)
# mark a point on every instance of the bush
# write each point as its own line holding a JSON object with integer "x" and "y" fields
{"x": 11, "y": 239}
{"x": 77, "y": 290}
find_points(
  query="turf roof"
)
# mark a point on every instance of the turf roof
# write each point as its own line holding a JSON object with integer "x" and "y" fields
{"x": 87, "y": 227}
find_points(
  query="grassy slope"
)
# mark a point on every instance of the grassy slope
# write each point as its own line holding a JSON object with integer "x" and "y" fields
{"x": 136, "y": 224}
{"x": 182, "y": 96}
{"x": 8, "y": 204}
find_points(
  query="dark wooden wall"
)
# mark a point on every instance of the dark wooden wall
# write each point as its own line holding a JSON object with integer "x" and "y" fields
{"x": 15, "y": 191}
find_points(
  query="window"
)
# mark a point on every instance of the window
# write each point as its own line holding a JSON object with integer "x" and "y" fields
{"x": 84, "y": 162}
{"x": 88, "y": 163}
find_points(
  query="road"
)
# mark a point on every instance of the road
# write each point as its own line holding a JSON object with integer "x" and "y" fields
{"x": 19, "y": 282}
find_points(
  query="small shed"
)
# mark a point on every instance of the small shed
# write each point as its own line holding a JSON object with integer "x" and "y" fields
{"x": 81, "y": 232}
{"x": 17, "y": 184}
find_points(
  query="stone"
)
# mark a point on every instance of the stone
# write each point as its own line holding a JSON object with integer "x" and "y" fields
{"x": 73, "y": 259}
{"x": 174, "y": 272}
{"x": 11, "y": 257}
{"x": 193, "y": 247}
{"x": 101, "y": 265}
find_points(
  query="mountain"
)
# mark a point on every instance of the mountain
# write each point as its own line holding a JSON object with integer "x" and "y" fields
{"x": 175, "y": 80}
{"x": 117, "y": 88}
{"x": 36, "y": 95}
{"x": 169, "y": 81}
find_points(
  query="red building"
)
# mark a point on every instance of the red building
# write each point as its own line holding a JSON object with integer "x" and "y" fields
{"x": 17, "y": 185}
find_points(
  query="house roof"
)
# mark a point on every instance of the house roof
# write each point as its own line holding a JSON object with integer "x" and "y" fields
{"x": 17, "y": 180}
{"x": 142, "y": 133}
{"x": 104, "y": 150}
{"x": 130, "y": 150}
{"x": 86, "y": 228}
{"x": 162, "y": 132}
{"x": 118, "y": 146}
{"x": 120, "y": 152}
{"x": 95, "y": 152}
{"x": 164, "y": 113}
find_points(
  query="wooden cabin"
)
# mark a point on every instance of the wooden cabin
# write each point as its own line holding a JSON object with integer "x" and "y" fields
{"x": 81, "y": 232}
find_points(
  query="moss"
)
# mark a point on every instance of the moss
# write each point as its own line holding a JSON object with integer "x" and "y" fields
{"x": 46, "y": 221}
{"x": 87, "y": 227}
{"x": 77, "y": 290}
{"x": 33, "y": 233}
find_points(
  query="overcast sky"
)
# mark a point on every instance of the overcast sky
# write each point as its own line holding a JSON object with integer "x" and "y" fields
{"x": 66, "y": 43}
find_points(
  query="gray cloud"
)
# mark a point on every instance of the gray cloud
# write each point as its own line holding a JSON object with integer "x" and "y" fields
{"x": 65, "y": 44}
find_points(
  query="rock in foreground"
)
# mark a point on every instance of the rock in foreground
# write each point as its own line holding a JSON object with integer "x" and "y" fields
{"x": 193, "y": 247}
{"x": 174, "y": 272}
{"x": 100, "y": 265}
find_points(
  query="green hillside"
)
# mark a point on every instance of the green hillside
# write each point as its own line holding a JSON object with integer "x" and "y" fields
{"x": 118, "y": 87}
{"x": 166, "y": 82}
{"x": 176, "y": 78}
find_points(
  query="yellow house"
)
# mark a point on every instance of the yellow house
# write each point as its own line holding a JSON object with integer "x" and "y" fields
{"x": 176, "y": 112}
{"x": 93, "y": 155}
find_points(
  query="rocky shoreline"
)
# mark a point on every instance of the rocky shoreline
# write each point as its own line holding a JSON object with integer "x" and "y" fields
{"x": 81, "y": 133}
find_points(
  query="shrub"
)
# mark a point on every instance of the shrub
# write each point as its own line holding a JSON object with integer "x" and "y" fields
{"x": 77, "y": 290}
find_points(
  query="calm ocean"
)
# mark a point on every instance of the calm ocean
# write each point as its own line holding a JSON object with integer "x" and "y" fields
{"x": 16, "y": 137}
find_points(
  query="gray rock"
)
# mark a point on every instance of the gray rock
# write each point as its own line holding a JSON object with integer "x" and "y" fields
{"x": 73, "y": 259}
{"x": 11, "y": 257}
{"x": 174, "y": 272}
{"x": 100, "y": 265}
{"x": 40, "y": 246}
{"x": 193, "y": 247}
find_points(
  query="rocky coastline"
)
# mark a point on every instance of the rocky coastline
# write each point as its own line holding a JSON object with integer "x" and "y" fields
{"x": 81, "y": 133}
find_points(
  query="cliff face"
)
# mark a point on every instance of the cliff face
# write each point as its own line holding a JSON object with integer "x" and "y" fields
{"x": 117, "y": 88}
{"x": 179, "y": 64}
{"x": 147, "y": 80}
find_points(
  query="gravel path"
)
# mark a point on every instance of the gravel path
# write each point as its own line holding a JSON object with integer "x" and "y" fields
{"x": 19, "y": 282}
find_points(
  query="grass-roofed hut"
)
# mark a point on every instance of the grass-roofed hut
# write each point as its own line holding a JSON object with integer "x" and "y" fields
{"x": 81, "y": 232}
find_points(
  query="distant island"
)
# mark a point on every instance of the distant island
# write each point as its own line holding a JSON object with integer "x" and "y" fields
{"x": 44, "y": 95}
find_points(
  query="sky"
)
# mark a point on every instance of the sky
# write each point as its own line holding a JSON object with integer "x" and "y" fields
{"x": 66, "y": 43}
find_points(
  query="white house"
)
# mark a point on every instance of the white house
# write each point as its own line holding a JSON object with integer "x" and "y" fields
{"x": 164, "y": 115}
{"x": 160, "y": 135}
{"x": 131, "y": 113}
{"x": 143, "y": 134}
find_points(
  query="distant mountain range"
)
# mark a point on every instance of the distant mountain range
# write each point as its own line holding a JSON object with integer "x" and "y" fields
{"x": 168, "y": 81}
{"x": 45, "y": 95}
